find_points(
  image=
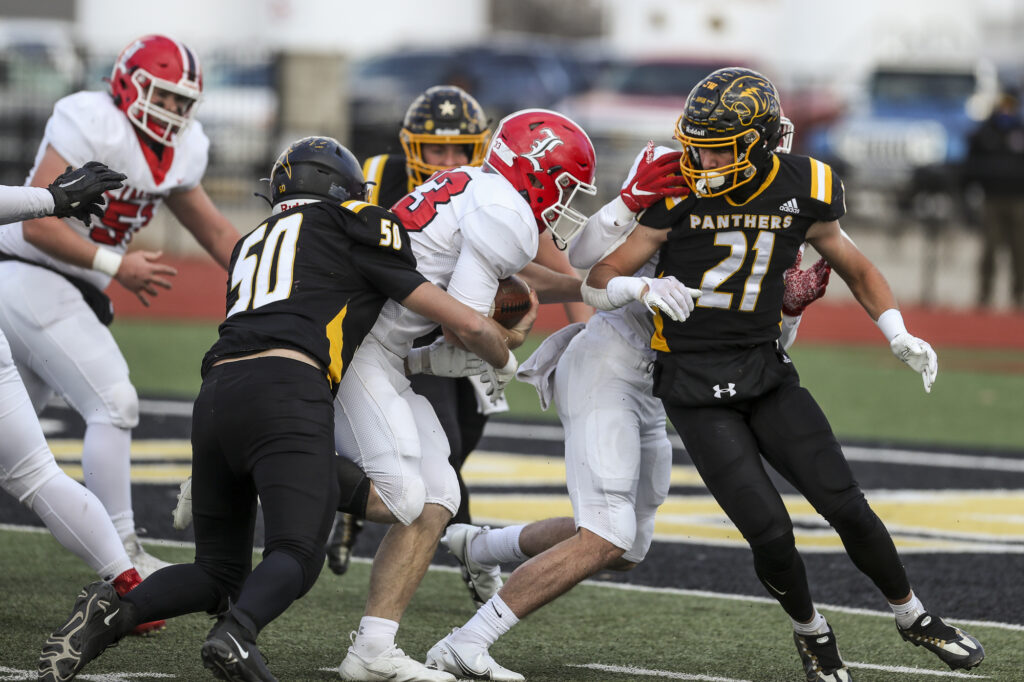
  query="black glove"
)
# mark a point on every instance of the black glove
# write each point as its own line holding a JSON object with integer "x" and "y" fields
{"x": 79, "y": 192}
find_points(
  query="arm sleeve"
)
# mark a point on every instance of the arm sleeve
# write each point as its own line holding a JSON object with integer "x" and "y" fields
{"x": 789, "y": 327}
{"x": 24, "y": 203}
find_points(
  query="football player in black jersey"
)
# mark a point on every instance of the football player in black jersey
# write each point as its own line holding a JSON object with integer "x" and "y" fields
{"x": 305, "y": 287}
{"x": 731, "y": 392}
{"x": 444, "y": 127}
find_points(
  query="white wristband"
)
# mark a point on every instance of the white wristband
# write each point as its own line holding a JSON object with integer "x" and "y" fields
{"x": 106, "y": 261}
{"x": 623, "y": 216}
{"x": 510, "y": 365}
{"x": 891, "y": 324}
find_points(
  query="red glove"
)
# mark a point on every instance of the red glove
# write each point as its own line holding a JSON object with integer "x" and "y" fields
{"x": 804, "y": 287}
{"x": 655, "y": 179}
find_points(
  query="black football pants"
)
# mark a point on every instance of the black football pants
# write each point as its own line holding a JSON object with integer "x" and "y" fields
{"x": 261, "y": 428}
{"x": 787, "y": 428}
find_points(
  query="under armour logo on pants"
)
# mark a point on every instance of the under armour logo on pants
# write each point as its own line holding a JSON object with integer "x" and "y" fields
{"x": 729, "y": 390}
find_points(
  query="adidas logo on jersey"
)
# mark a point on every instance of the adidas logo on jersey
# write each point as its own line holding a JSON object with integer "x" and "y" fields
{"x": 790, "y": 207}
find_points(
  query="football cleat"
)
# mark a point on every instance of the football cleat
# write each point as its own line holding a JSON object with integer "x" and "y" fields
{"x": 953, "y": 646}
{"x": 820, "y": 656}
{"x": 98, "y": 620}
{"x": 230, "y": 653}
{"x": 343, "y": 538}
{"x": 483, "y": 580}
{"x": 125, "y": 583}
{"x": 467, "y": 661}
{"x": 392, "y": 664}
{"x": 144, "y": 562}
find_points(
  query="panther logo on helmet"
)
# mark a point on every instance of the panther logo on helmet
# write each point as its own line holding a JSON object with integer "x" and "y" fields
{"x": 747, "y": 96}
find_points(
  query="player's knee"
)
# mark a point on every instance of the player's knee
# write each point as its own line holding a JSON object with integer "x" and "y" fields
{"x": 403, "y": 495}
{"x": 854, "y": 519}
{"x": 122, "y": 406}
{"x": 441, "y": 485}
{"x": 775, "y": 556}
{"x": 29, "y": 475}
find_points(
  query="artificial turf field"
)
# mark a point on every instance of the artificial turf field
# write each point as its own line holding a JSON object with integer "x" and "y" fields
{"x": 948, "y": 480}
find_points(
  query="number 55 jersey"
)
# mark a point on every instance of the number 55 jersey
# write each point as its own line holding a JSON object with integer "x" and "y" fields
{"x": 314, "y": 278}
{"x": 736, "y": 253}
{"x": 87, "y": 126}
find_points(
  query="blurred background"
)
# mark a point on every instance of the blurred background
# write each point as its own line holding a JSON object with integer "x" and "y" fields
{"x": 887, "y": 93}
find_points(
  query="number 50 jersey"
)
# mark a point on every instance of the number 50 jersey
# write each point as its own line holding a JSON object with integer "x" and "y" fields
{"x": 736, "y": 253}
{"x": 313, "y": 279}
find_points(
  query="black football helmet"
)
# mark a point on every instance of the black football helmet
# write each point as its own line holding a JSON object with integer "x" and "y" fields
{"x": 732, "y": 108}
{"x": 316, "y": 168}
{"x": 444, "y": 114}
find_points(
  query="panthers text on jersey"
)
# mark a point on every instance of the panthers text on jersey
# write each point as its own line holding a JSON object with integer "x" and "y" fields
{"x": 314, "y": 279}
{"x": 736, "y": 253}
{"x": 388, "y": 178}
{"x": 468, "y": 228}
{"x": 86, "y": 126}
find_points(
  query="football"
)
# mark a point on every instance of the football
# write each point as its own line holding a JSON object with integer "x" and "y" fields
{"x": 511, "y": 302}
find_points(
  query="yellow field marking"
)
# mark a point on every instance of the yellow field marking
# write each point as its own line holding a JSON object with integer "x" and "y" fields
{"x": 916, "y": 519}
{"x": 504, "y": 468}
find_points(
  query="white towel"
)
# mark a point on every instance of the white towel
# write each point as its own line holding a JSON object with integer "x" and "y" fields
{"x": 539, "y": 368}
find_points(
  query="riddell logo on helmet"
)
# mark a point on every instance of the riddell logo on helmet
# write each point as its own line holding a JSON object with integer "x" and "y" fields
{"x": 699, "y": 132}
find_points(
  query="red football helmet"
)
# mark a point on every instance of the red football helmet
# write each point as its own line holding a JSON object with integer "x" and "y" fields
{"x": 548, "y": 158}
{"x": 157, "y": 82}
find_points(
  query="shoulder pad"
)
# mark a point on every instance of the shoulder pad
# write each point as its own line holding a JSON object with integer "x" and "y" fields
{"x": 667, "y": 212}
{"x": 371, "y": 225}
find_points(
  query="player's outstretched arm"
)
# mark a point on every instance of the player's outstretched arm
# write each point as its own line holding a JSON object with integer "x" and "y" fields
{"x": 609, "y": 285}
{"x": 196, "y": 211}
{"x": 872, "y": 291}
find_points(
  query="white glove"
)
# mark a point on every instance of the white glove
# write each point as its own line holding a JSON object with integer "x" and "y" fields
{"x": 183, "y": 510}
{"x": 442, "y": 359}
{"x": 918, "y": 354}
{"x": 670, "y": 296}
{"x": 496, "y": 378}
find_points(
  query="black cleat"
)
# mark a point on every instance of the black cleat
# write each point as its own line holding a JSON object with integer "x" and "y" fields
{"x": 820, "y": 656}
{"x": 98, "y": 620}
{"x": 953, "y": 646}
{"x": 230, "y": 653}
{"x": 343, "y": 538}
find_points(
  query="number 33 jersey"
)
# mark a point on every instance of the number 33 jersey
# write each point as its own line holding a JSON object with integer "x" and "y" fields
{"x": 469, "y": 228}
{"x": 313, "y": 279}
{"x": 736, "y": 253}
{"x": 86, "y": 126}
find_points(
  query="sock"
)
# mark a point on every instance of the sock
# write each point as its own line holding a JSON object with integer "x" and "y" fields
{"x": 907, "y": 614}
{"x": 374, "y": 637}
{"x": 78, "y": 521}
{"x": 496, "y": 546}
{"x": 490, "y": 622}
{"x": 817, "y": 626}
{"x": 106, "y": 469}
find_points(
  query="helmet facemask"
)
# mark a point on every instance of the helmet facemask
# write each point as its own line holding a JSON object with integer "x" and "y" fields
{"x": 420, "y": 170}
{"x": 564, "y": 221}
{"x": 161, "y": 124}
{"x": 714, "y": 182}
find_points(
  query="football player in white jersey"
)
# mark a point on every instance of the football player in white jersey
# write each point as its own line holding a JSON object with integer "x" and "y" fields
{"x": 618, "y": 456}
{"x": 469, "y": 228}
{"x": 52, "y": 306}
{"x": 28, "y": 470}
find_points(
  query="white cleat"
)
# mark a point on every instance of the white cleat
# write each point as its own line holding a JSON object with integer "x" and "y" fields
{"x": 483, "y": 580}
{"x": 467, "y": 661}
{"x": 392, "y": 665}
{"x": 144, "y": 562}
